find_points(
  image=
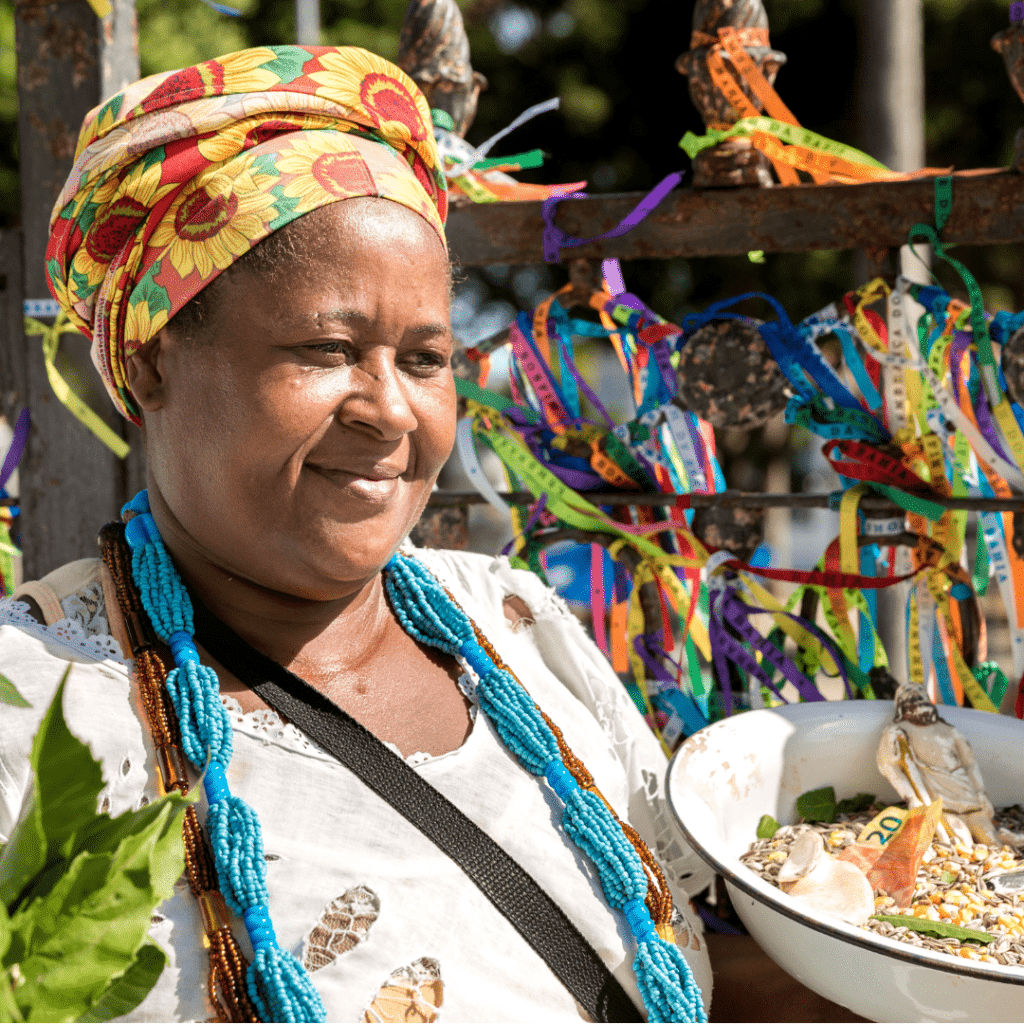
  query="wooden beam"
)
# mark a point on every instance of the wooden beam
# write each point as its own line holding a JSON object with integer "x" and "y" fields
{"x": 988, "y": 208}
{"x": 70, "y": 483}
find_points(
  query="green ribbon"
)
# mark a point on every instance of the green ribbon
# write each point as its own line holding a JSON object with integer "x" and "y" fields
{"x": 792, "y": 134}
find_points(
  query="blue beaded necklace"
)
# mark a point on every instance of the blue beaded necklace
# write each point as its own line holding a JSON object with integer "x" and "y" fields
{"x": 279, "y": 986}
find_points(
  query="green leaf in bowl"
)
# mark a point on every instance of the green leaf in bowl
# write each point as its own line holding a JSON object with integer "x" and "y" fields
{"x": 767, "y": 827}
{"x": 817, "y": 805}
{"x": 940, "y": 929}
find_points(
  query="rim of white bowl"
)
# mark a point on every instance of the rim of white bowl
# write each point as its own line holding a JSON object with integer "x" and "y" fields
{"x": 769, "y": 896}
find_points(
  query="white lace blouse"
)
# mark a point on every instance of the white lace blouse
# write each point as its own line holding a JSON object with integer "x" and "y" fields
{"x": 389, "y": 926}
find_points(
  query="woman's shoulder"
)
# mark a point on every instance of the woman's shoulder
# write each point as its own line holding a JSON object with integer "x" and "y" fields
{"x": 67, "y": 610}
{"x": 492, "y": 580}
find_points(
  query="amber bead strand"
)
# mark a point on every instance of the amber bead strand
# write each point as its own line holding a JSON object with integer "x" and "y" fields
{"x": 226, "y": 983}
{"x": 659, "y": 896}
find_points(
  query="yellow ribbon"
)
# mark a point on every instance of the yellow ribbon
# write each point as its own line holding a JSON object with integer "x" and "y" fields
{"x": 72, "y": 402}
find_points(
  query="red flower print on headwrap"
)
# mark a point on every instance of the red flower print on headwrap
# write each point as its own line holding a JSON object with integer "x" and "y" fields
{"x": 386, "y": 99}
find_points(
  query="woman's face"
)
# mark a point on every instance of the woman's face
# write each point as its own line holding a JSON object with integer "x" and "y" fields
{"x": 295, "y": 442}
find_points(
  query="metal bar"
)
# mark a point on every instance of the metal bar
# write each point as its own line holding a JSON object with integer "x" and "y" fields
{"x": 307, "y": 22}
{"x": 724, "y": 222}
{"x": 737, "y": 499}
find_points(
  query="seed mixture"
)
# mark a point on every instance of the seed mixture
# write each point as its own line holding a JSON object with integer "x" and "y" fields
{"x": 951, "y": 886}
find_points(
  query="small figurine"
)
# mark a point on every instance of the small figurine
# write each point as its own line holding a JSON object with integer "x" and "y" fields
{"x": 734, "y": 161}
{"x": 1010, "y": 45}
{"x": 925, "y": 758}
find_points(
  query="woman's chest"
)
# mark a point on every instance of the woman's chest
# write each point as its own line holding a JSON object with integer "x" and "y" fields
{"x": 376, "y": 912}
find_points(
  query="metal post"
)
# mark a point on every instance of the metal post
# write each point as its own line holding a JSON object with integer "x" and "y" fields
{"x": 891, "y": 100}
{"x": 307, "y": 22}
{"x": 70, "y": 483}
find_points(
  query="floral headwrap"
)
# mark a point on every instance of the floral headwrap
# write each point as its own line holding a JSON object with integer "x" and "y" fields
{"x": 183, "y": 172}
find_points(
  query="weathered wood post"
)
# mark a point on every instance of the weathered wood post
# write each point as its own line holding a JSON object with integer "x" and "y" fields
{"x": 68, "y": 61}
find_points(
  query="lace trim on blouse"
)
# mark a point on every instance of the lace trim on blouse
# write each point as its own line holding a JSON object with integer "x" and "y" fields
{"x": 265, "y": 724}
{"x": 73, "y": 633}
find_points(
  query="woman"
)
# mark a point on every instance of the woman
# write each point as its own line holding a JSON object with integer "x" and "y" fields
{"x": 287, "y": 354}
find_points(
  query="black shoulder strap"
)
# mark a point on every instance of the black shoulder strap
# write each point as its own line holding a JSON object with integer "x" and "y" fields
{"x": 531, "y": 911}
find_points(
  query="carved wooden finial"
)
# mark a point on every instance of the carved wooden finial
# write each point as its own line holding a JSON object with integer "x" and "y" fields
{"x": 434, "y": 52}
{"x": 735, "y": 161}
{"x": 1010, "y": 43}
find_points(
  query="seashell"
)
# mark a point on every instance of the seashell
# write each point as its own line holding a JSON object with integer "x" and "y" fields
{"x": 824, "y": 884}
{"x": 803, "y": 856}
{"x": 1008, "y": 883}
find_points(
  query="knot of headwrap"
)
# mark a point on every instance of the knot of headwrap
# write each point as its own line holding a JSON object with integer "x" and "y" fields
{"x": 182, "y": 173}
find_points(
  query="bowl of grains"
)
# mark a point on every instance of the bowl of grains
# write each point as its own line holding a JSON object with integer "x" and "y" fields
{"x": 726, "y": 778}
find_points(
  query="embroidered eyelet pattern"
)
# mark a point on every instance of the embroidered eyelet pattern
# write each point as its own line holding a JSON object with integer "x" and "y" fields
{"x": 68, "y": 634}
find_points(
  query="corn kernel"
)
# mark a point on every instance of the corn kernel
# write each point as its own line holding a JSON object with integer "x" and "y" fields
{"x": 778, "y": 856}
{"x": 1005, "y": 921}
{"x": 948, "y": 912}
{"x": 880, "y": 901}
{"x": 953, "y": 896}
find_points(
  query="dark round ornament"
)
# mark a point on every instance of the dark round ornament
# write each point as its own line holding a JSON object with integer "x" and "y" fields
{"x": 1012, "y": 360}
{"x": 739, "y": 530}
{"x": 728, "y": 377}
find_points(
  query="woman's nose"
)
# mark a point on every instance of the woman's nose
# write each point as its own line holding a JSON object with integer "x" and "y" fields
{"x": 378, "y": 401}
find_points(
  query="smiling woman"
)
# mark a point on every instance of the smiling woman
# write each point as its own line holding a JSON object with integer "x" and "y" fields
{"x": 256, "y": 248}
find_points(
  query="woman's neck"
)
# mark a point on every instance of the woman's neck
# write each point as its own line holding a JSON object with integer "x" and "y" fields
{"x": 283, "y": 626}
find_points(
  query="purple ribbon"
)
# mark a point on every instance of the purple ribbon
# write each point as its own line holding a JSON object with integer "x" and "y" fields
{"x": 982, "y": 413}
{"x": 736, "y": 614}
{"x": 17, "y": 449}
{"x": 535, "y": 515}
{"x": 556, "y": 239}
{"x": 1016, "y": 12}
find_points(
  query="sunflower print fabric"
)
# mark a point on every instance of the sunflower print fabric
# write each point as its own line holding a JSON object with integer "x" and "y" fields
{"x": 180, "y": 174}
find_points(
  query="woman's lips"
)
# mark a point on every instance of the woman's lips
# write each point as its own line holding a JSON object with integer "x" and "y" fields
{"x": 376, "y": 486}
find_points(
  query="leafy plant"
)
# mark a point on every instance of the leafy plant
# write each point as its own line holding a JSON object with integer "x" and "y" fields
{"x": 78, "y": 888}
{"x": 767, "y": 827}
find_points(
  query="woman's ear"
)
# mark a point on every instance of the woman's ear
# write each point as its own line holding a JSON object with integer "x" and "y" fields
{"x": 145, "y": 374}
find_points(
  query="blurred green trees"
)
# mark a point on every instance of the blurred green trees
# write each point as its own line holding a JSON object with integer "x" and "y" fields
{"x": 624, "y": 107}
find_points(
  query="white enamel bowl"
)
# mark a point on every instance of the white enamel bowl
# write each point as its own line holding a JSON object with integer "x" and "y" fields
{"x": 725, "y": 777}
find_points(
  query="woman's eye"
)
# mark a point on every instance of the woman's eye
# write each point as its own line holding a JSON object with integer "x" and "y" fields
{"x": 330, "y": 347}
{"x": 423, "y": 361}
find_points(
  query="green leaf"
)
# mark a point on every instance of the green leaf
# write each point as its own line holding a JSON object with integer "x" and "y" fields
{"x": 8, "y": 1007}
{"x": 84, "y": 885}
{"x": 940, "y": 929}
{"x": 67, "y": 780}
{"x": 853, "y": 804}
{"x": 817, "y": 805}
{"x": 10, "y": 695}
{"x": 126, "y": 992}
{"x": 767, "y": 827}
{"x": 63, "y": 964}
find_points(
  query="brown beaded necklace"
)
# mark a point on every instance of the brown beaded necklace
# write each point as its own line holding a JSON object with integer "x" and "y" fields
{"x": 226, "y": 983}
